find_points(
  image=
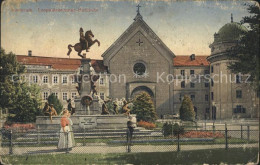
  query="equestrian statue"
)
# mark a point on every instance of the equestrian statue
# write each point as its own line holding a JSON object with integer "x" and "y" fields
{"x": 85, "y": 42}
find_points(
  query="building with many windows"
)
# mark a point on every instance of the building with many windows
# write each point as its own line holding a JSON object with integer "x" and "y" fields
{"x": 231, "y": 95}
{"x": 139, "y": 61}
{"x": 56, "y": 75}
{"x": 187, "y": 70}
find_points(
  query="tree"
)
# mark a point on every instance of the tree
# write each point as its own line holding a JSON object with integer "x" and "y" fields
{"x": 187, "y": 111}
{"x": 8, "y": 67}
{"x": 246, "y": 53}
{"x": 21, "y": 100}
{"x": 143, "y": 108}
{"x": 27, "y": 104}
{"x": 52, "y": 99}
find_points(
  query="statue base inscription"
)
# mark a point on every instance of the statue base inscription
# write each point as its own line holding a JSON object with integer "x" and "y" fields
{"x": 87, "y": 122}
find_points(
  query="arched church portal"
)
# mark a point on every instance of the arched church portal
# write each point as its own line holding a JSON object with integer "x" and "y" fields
{"x": 141, "y": 89}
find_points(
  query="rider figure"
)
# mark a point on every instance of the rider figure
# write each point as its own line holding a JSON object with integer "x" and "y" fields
{"x": 83, "y": 41}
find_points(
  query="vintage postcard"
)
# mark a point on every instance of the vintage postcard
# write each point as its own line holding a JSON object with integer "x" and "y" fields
{"x": 129, "y": 82}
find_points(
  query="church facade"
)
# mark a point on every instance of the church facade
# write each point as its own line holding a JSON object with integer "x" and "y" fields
{"x": 138, "y": 61}
{"x": 140, "y": 56}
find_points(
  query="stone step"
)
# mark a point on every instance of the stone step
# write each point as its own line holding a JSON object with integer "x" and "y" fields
{"x": 55, "y": 134}
{"x": 88, "y": 136}
{"x": 93, "y": 133}
{"x": 137, "y": 129}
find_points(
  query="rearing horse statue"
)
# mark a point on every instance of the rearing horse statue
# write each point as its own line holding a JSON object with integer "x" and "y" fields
{"x": 85, "y": 43}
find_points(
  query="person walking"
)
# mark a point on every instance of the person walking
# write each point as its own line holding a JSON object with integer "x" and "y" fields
{"x": 131, "y": 124}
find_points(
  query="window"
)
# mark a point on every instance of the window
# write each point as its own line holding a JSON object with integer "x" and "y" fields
{"x": 102, "y": 96}
{"x": 212, "y": 82}
{"x": 212, "y": 96}
{"x": 45, "y": 79}
{"x": 55, "y": 79}
{"x": 238, "y": 79}
{"x": 239, "y": 109}
{"x": 139, "y": 69}
{"x": 212, "y": 69}
{"x": 191, "y": 72}
{"x": 183, "y": 72}
{"x": 73, "y": 94}
{"x": 65, "y": 96}
{"x": 4, "y": 111}
{"x": 206, "y": 97}
{"x": 64, "y": 79}
{"x": 192, "y": 85}
{"x": 55, "y": 94}
{"x": 258, "y": 94}
{"x": 45, "y": 95}
{"x": 101, "y": 81}
{"x": 238, "y": 94}
{"x": 35, "y": 79}
{"x": 192, "y": 97}
{"x": 207, "y": 110}
{"x": 206, "y": 71}
{"x": 183, "y": 84}
{"x": 181, "y": 97}
{"x": 73, "y": 79}
{"x": 206, "y": 84}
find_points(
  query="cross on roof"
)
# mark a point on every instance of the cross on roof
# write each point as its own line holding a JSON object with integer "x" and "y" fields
{"x": 138, "y": 6}
{"x": 139, "y": 42}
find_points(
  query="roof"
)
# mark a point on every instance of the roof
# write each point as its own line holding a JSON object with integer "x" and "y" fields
{"x": 185, "y": 60}
{"x": 98, "y": 65}
{"x": 135, "y": 27}
{"x": 59, "y": 63}
{"x": 230, "y": 32}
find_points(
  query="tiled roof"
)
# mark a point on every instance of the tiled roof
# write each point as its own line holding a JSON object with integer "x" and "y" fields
{"x": 98, "y": 65}
{"x": 59, "y": 63}
{"x": 182, "y": 60}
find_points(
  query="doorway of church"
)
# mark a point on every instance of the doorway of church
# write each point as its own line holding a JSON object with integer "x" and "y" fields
{"x": 140, "y": 89}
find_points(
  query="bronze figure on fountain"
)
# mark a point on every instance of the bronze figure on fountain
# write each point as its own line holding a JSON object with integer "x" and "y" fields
{"x": 86, "y": 41}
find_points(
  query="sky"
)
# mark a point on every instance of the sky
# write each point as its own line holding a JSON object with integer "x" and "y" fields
{"x": 186, "y": 27}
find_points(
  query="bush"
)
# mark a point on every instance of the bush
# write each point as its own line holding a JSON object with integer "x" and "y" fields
{"x": 172, "y": 129}
{"x": 52, "y": 99}
{"x": 187, "y": 110}
{"x": 26, "y": 105}
{"x": 146, "y": 125}
{"x": 143, "y": 107}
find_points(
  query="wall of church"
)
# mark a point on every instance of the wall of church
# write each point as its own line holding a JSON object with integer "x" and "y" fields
{"x": 122, "y": 63}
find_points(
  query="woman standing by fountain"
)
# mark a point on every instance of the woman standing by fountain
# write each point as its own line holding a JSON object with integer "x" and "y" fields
{"x": 66, "y": 139}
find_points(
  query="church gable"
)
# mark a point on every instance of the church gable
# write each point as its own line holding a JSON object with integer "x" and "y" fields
{"x": 138, "y": 49}
{"x": 140, "y": 28}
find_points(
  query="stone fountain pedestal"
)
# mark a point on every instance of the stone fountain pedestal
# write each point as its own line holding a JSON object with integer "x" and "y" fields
{"x": 81, "y": 122}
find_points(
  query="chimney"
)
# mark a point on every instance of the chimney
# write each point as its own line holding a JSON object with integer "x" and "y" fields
{"x": 29, "y": 53}
{"x": 192, "y": 57}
